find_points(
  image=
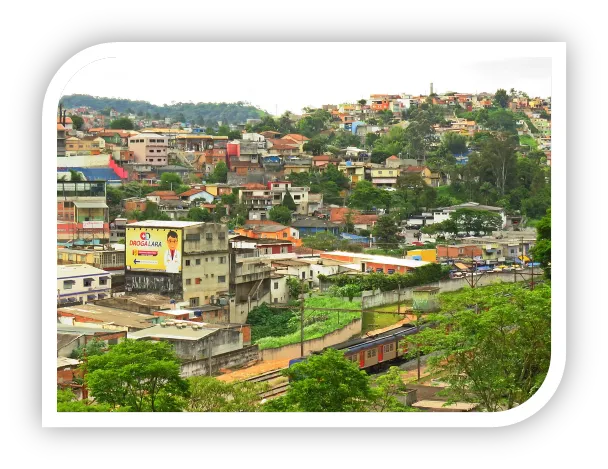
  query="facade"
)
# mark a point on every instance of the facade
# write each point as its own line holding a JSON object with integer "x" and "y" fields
{"x": 82, "y": 283}
{"x": 459, "y": 251}
{"x": 104, "y": 259}
{"x": 312, "y": 226}
{"x": 149, "y": 148}
{"x": 82, "y": 212}
{"x": 372, "y": 263}
{"x": 355, "y": 172}
{"x": 385, "y": 177}
{"x": 183, "y": 260}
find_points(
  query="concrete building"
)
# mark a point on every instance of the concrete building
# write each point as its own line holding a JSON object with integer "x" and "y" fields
{"x": 193, "y": 340}
{"x": 149, "y": 148}
{"x": 184, "y": 260}
{"x": 82, "y": 212}
{"x": 104, "y": 259}
{"x": 82, "y": 283}
{"x": 311, "y": 226}
{"x": 104, "y": 317}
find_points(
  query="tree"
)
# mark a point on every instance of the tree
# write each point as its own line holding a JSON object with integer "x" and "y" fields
{"x": 385, "y": 230}
{"x": 349, "y": 291}
{"x": 476, "y": 221}
{"x": 288, "y": 201}
{"x": 208, "y": 394}
{"x": 76, "y": 176}
{"x": 362, "y": 102}
{"x": 123, "y": 123}
{"x": 325, "y": 383}
{"x": 77, "y": 121}
{"x": 491, "y": 345}
{"x": 170, "y": 181}
{"x": 142, "y": 375}
{"x": 370, "y": 139}
{"x": 152, "y": 212}
{"x": 498, "y": 155}
{"x": 455, "y": 143}
{"x": 386, "y": 389}
{"x": 94, "y": 347}
{"x": 386, "y": 116}
{"x": 366, "y": 197}
{"x": 501, "y": 98}
{"x": 199, "y": 214}
{"x": 349, "y": 224}
{"x": 280, "y": 214}
{"x": 542, "y": 250}
{"x": 67, "y": 402}
{"x": 323, "y": 241}
{"x": 220, "y": 173}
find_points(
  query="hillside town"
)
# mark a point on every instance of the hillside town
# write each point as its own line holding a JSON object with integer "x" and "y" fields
{"x": 248, "y": 248}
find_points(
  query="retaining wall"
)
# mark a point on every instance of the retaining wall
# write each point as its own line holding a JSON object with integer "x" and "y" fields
{"x": 224, "y": 360}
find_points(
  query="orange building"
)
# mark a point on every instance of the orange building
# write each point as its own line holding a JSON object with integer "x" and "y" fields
{"x": 265, "y": 231}
{"x": 459, "y": 251}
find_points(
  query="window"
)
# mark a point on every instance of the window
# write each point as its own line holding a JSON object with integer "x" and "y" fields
{"x": 67, "y": 284}
{"x": 276, "y": 285}
{"x": 222, "y": 260}
{"x": 194, "y": 301}
{"x": 276, "y": 300}
{"x": 198, "y": 261}
{"x": 152, "y": 140}
{"x": 188, "y": 281}
{"x": 303, "y": 275}
{"x": 187, "y": 262}
{"x": 103, "y": 281}
{"x": 193, "y": 237}
{"x": 208, "y": 236}
{"x": 158, "y": 151}
{"x": 221, "y": 279}
{"x": 158, "y": 159}
{"x": 197, "y": 281}
{"x": 284, "y": 235}
{"x": 87, "y": 282}
{"x": 206, "y": 259}
{"x": 311, "y": 274}
{"x": 212, "y": 275}
{"x": 221, "y": 235}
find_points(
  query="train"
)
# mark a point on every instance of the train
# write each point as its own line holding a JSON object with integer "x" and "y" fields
{"x": 376, "y": 352}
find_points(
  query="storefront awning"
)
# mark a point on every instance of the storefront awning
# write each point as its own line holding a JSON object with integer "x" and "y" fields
{"x": 90, "y": 205}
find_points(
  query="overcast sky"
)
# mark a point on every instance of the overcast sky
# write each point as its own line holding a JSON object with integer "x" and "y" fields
{"x": 289, "y": 76}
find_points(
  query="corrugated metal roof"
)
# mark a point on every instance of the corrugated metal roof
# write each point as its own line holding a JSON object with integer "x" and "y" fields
{"x": 90, "y": 204}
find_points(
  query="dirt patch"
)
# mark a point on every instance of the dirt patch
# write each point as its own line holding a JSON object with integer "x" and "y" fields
{"x": 254, "y": 370}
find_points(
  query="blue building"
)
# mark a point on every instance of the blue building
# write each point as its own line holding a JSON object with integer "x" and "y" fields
{"x": 312, "y": 226}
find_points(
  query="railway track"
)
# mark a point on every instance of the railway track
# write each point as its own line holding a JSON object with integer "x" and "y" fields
{"x": 268, "y": 376}
{"x": 275, "y": 392}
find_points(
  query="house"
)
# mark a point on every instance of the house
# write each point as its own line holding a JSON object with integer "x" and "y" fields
{"x": 360, "y": 221}
{"x": 423, "y": 171}
{"x": 104, "y": 259}
{"x": 82, "y": 283}
{"x": 192, "y": 340}
{"x": 315, "y": 203}
{"x": 312, "y": 226}
{"x": 279, "y": 189}
{"x": 321, "y": 161}
{"x": 110, "y": 319}
{"x": 300, "y": 165}
{"x": 264, "y": 231}
{"x": 297, "y": 138}
{"x": 354, "y": 171}
{"x": 82, "y": 212}
{"x": 373, "y": 263}
{"x": 158, "y": 197}
{"x": 149, "y": 148}
{"x": 383, "y": 177}
{"x": 459, "y": 251}
{"x": 255, "y": 197}
{"x": 71, "y": 337}
{"x": 270, "y": 134}
{"x": 197, "y": 195}
{"x": 66, "y": 122}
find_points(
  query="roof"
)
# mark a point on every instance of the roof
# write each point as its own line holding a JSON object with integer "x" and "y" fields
{"x": 60, "y": 127}
{"x": 78, "y": 270}
{"x": 313, "y": 223}
{"x": 163, "y": 224}
{"x": 65, "y": 339}
{"x": 90, "y": 204}
{"x": 190, "y": 192}
{"x": 162, "y": 193}
{"x": 289, "y": 263}
{"x": 64, "y": 361}
{"x": 474, "y": 206}
{"x": 297, "y": 137}
{"x": 304, "y": 251}
{"x": 254, "y": 186}
{"x": 394, "y": 157}
{"x": 68, "y": 120}
{"x": 104, "y": 314}
{"x": 269, "y": 228}
{"x": 379, "y": 259}
{"x": 173, "y": 332}
{"x": 412, "y": 169}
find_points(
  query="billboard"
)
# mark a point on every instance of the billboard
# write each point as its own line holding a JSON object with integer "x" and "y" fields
{"x": 154, "y": 249}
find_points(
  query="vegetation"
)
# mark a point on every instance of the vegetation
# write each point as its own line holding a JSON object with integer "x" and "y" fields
{"x": 208, "y": 394}
{"x": 94, "y": 347}
{"x": 465, "y": 220}
{"x": 140, "y": 375}
{"x": 122, "y": 123}
{"x": 491, "y": 345}
{"x": 281, "y": 214}
{"x": 288, "y": 202}
{"x": 220, "y": 173}
{"x": 541, "y": 252}
{"x": 67, "y": 402}
{"x": 203, "y": 114}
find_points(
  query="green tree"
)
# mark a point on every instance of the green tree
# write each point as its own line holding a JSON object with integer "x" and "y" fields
{"x": 199, "y": 214}
{"x": 385, "y": 230}
{"x": 280, "y": 214}
{"x": 170, "y": 181}
{"x": 67, "y": 402}
{"x": 288, "y": 202}
{"x": 386, "y": 388}
{"x": 220, "y": 173}
{"x": 370, "y": 139}
{"x": 76, "y": 176}
{"x": 491, "y": 345}
{"x": 325, "y": 383}
{"x": 366, "y": 197}
{"x": 152, "y": 212}
{"x": 122, "y": 123}
{"x": 208, "y": 394}
{"x": 77, "y": 121}
{"x": 349, "y": 222}
{"x": 455, "y": 143}
{"x": 501, "y": 98}
{"x": 362, "y": 102}
{"x": 323, "y": 241}
{"x": 541, "y": 252}
{"x": 476, "y": 221}
{"x": 94, "y": 347}
{"x": 142, "y": 375}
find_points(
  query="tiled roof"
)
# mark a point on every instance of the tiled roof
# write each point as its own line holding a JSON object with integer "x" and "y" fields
{"x": 190, "y": 192}
{"x": 68, "y": 120}
{"x": 413, "y": 169}
{"x": 297, "y": 137}
{"x": 254, "y": 186}
{"x": 162, "y": 193}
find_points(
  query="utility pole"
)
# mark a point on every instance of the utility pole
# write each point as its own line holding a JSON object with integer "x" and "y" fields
{"x": 418, "y": 344}
{"x": 302, "y": 318}
{"x": 209, "y": 352}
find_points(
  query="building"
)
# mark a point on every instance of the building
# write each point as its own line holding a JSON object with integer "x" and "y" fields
{"x": 104, "y": 317}
{"x": 312, "y": 226}
{"x": 82, "y": 212}
{"x": 279, "y": 189}
{"x": 149, "y": 148}
{"x": 82, "y": 283}
{"x": 103, "y": 259}
{"x": 459, "y": 251}
{"x": 273, "y": 231}
{"x": 385, "y": 177}
{"x": 354, "y": 171}
{"x": 69, "y": 337}
{"x": 180, "y": 259}
{"x": 372, "y": 263}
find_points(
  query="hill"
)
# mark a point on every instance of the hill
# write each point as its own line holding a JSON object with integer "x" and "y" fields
{"x": 199, "y": 113}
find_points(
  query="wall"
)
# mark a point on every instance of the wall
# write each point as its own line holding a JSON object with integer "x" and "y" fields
{"x": 225, "y": 360}
{"x": 154, "y": 282}
{"x": 222, "y": 341}
{"x": 84, "y": 161}
{"x": 371, "y": 299}
{"x": 313, "y": 345}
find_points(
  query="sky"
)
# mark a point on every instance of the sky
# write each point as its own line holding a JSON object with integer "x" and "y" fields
{"x": 342, "y": 72}
{"x": 290, "y": 76}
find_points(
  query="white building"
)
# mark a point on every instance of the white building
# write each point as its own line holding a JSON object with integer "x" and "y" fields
{"x": 149, "y": 148}
{"x": 83, "y": 283}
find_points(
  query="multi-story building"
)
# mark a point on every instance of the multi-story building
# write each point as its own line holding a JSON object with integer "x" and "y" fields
{"x": 149, "y": 148}
{"x": 82, "y": 212}
{"x": 104, "y": 259}
{"x": 299, "y": 195}
{"x": 184, "y": 260}
{"x": 256, "y": 197}
{"x": 82, "y": 283}
{"x": 385, "y": 177}
{"x": 354, "y": 171}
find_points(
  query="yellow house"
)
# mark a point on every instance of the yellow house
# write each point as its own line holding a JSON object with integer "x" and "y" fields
{"x": 354, "y": 171}
{"x": 426, "y": 255}
{"x": 425, "y": 173}
{"x": 385, "y": 177}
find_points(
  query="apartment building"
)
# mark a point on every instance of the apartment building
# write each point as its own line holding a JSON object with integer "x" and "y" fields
{"x": 149, "y": 148}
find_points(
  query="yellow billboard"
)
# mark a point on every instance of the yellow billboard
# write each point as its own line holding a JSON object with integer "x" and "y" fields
{"x": 156, "y": 249}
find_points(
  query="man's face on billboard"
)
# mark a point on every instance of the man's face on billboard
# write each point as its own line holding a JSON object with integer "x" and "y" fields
{"x": 172, "y": 243}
